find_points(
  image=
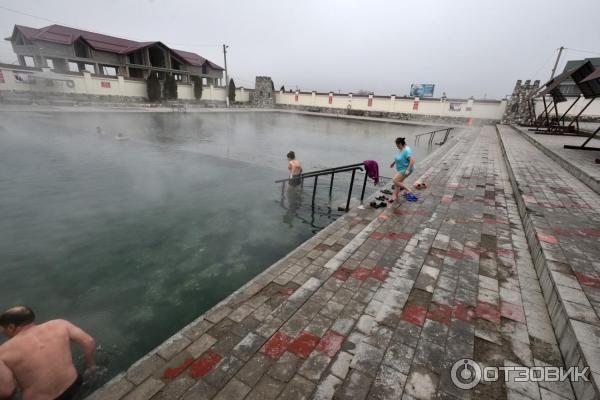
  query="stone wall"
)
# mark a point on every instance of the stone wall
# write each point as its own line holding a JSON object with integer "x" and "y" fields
{"x": 264, "y": 93}
{"x": 519, "y": 110}
{"x": 393, "y": 115}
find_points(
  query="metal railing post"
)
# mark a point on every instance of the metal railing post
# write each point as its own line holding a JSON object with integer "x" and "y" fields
{"x": 314, "y": 191}
{"x": 362, "y": 194}
{"x": 350, "y": 190}
{"x": 331, "y": 184}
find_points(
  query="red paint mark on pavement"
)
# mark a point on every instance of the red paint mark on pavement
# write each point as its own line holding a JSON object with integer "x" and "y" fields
{"x": 454, "y": 253}
{"x": 488, "y": 312}
{"x": 463, "y": 311}
{"x": 564, "y": 231}
{"x": 504, "y": 252}
{"x": 391, "y": 235}
{"x": 404, "y": 235}
{"x": 414, "y": 314}
{"x": 590, "y": 232}
{"x": 172, "y": 373}
{"x": 587, "y": 280}
{"x": 361, "y": 273}
{"x": 441, "y": 313}
{"x": 529, "y": 199}
{"x": 378, "y": 235}
{"x": 547, "y": 238}
{"x": 383, "y": 217}
{"x": 470, "y": 252}
{"x": 287, "y": 291}
{"x": 512, "y": 311}
{"x": 446, "y": 199}
{"x": 331, "y": 343}
{"x": 204, "y": 364}
{"x": 379, "y": 273}
{"x": 342, "y": 274}
{"x": 304, "y": 344}
{"x": 276, "y": 345}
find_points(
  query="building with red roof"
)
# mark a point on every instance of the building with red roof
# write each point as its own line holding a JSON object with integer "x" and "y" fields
{"x": 65, "y": 49}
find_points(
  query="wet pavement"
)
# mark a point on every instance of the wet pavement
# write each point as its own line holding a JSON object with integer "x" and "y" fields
{"x": 382, "y": 304}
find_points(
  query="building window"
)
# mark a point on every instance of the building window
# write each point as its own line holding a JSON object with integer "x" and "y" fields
{"x": 81, "y": 49}
{"x": 29, "y": 61}
{"x": 73, "y": 67}
{"x": 50, "y": 63}
{"x": 136, "y": 58}
{"x": 175, "y": 64}
{"x": 204, "y": 69}
{"x": 136, "y": 73}
{"x": 157, "y": 57}
{"x": 89, "y": 68}
{"x": 177, "y": 77}
{"x": 108, "y": 70}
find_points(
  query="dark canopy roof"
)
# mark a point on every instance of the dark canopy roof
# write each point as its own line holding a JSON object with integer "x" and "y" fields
{"x": 593, "y": 81}
{"x": 66, "y": 35}
{"x": 577, "y": 74}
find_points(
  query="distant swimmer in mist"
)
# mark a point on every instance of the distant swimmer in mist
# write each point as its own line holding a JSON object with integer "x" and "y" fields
{"x": 404, "y": 163}
{"x": 295, "y": 169}
{"x": 120, "y": 136}
{"x": 37, "y": 358}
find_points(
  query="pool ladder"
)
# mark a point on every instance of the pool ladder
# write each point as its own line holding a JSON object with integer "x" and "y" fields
{"x": 331, "y": 171}
{"x": 432, "y": 136}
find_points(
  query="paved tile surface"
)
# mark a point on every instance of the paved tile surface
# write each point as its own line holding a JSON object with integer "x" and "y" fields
{"x": 582, "y": 159}
{"x": 562, "y": 216}
{"x": 379, "y": 305}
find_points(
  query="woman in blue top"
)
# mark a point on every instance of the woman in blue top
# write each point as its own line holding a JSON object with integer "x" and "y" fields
{"x": 404, "y": 163}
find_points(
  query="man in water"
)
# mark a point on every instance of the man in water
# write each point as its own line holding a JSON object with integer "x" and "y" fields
{"x": 295, "y": 169}
{"x": 404, "y": 163}
{"x": 37, "y": 358}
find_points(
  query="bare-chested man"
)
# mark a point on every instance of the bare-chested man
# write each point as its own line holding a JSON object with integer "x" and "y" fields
{"x": 295, "y": 169}
{"x": 37, "y": 358}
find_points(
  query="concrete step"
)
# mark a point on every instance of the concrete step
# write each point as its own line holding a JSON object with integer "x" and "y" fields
{"x": 561, "y": 217}
{"x": 579, "y": 163}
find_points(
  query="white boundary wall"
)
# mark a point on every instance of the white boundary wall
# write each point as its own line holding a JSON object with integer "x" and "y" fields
{"x": 593, "y": 110}
{"x": 16, "y": 78}
{"x": 28, "y": 80}
{"x": 470, "y": 108}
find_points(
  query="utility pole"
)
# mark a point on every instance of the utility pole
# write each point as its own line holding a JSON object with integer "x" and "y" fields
{"x": 560, "y": 50}
{"x": 226, "y": 76}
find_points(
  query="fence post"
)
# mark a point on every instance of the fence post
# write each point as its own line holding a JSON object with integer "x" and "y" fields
{"x": 350, "y": 190}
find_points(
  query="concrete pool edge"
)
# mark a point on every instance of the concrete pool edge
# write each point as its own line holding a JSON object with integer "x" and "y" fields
{"x": 143, "y": 369}
{"x": 201, "y": 110}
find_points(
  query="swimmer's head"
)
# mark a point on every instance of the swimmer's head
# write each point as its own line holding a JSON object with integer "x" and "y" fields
{"x": 13, "y": 320}
{"x": 291, "y": 155}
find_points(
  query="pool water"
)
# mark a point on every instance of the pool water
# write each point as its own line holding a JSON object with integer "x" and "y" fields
{"x": 132, "y": 239}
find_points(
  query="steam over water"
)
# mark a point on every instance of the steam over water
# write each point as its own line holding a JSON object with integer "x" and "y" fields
{"x": 132, "y": 239}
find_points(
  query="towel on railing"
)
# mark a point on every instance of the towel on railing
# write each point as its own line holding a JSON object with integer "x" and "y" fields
{"x": 372, "y": 170}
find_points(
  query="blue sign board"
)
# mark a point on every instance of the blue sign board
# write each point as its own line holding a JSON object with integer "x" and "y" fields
{"x": 421, "y": 90}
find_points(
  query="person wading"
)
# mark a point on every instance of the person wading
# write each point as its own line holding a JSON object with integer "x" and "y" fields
{"x": 295, "y": 169}
{"x": 404, "y": 163}
{"x": 37, "y": 358}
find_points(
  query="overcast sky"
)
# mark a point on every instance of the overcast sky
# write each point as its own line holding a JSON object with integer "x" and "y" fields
{"x": 464, "y": 47}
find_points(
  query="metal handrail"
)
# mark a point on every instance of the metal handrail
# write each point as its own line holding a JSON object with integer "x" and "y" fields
{"x": 330, "y": 171}
{"x": 432, "y": 136}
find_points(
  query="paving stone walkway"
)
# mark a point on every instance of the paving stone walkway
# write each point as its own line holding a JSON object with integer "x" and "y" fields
{"x": 562, "y": 216}
{"x": 580, "y": 163}
{"x": 379, "y": 305}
